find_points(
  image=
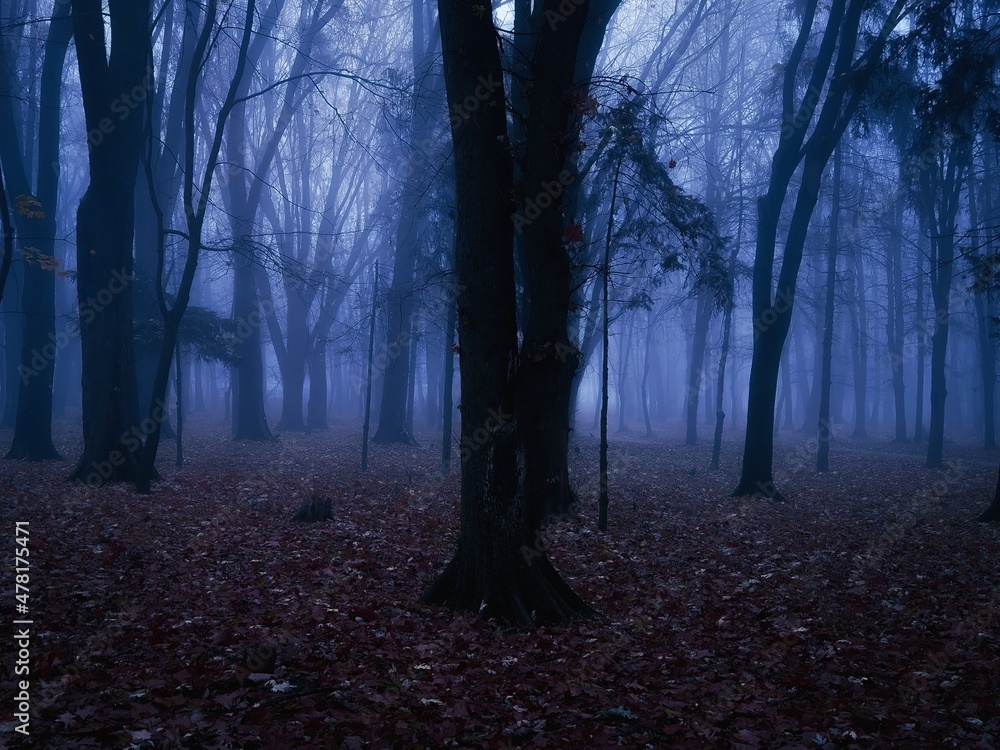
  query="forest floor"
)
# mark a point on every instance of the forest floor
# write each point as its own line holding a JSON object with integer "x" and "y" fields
{"x": 861, "y": 613}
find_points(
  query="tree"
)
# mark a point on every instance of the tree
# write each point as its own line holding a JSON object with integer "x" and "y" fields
{"x": 195, "y": 208}
{"x": 392, "y": 424}
{"x": 844, "y": 78}
{"x": 500, "y": 568}
{"x": 105, "y": 229}
{"x": 36, "y": 214}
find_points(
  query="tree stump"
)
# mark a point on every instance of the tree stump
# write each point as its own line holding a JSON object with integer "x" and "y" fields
{"x": 315, "y": 509}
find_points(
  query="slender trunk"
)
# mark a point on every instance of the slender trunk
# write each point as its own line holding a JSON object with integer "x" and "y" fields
{"x": 720, "y": 415}
{"x": 370, "y": 374}
{"x": 894, "y": 273}
{"x": 178, "y": 387}
{"x": 394, "y": 424}
{"x": 702, "y": 317}
{"x": 824, "y": 428}
{"x": 603, "y": 500}
{"x": 811, "y": 415}
{"x": 921, "y": 326}
{"x": 984, "y": 321}
{"x": 411, "y": 387}
{"x": 645, "y": 376}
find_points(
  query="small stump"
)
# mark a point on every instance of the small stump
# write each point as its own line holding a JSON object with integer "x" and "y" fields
{"x": 315, "y": 509}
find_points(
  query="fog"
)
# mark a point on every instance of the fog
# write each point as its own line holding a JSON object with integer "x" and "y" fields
{"x": 724, "y": 222}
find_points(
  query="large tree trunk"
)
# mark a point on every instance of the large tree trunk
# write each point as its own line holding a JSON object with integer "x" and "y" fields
{"x": 562, "y": 62}
{"x": 316, "y": 407}
{"x": 249, "y": 418}
{"x": 105, "y": 224}
{"x": 39, "y": 344}
{"x": 500, "y": 568}
{"x": 992, "y": 514}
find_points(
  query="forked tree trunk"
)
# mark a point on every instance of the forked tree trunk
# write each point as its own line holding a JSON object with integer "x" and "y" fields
{"x": 500, "y": 568}
{"x": 105, "y": 225}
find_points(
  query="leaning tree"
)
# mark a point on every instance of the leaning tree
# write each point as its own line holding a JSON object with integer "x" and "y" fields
{"x": 819, "y": 95}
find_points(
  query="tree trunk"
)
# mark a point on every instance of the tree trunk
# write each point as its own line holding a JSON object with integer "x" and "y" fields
{"x": 447, "y": 402}
{"x": 500, "y": 568}
{"x": 984, "y": 320}
{"x": 643, "y": 396}
{"x": 824, "y": 428}
{"x": 921, "y": 325}
{"x": 393, "y": 415}
{"x": 316, "y": 407}
{"x": 105, "y": 224}
{"x": 39, "y": 343}
{"x": 859, "y": 341}
{"x": 992, "y": 514}
{"x": 897, "y": 333}
{"x": 702, "y": 317}
{"x": 941, "y": 205}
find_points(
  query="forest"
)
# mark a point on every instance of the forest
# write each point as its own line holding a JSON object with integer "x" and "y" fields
{"x": 553, "y": 373}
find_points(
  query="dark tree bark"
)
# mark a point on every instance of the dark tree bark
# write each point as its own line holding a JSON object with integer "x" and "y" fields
{"x": 894, "y": 321}
{"x": 369, "y": 373}
{"x": 105, "y": 228}
{"x": 500, "y": 568}
{"x": 562, "y": 57}
{"x": 921, "y": 326}
{"x": 194, "y": 211}
{"x": 859, "y": 340}
{"x": 393, "y": 415}
{"x": 772, "y": 314}
{"x": 984, "y": 319}
{"x": 8, "y": 236}
{"x": 447, "y": 400}
{"x": 941, "y": 188}
{"x": 992, "y": 514}
{"x": 249, "y": 311}
{"x": 33, "y": 426}
{"x": 643, "y": 394}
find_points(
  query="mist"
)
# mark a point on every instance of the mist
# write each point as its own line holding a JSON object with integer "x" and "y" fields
{"x": 491, "y": 296}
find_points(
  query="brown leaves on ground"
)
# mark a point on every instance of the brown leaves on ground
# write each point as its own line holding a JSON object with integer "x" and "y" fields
{"x": 861, "y": 614}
